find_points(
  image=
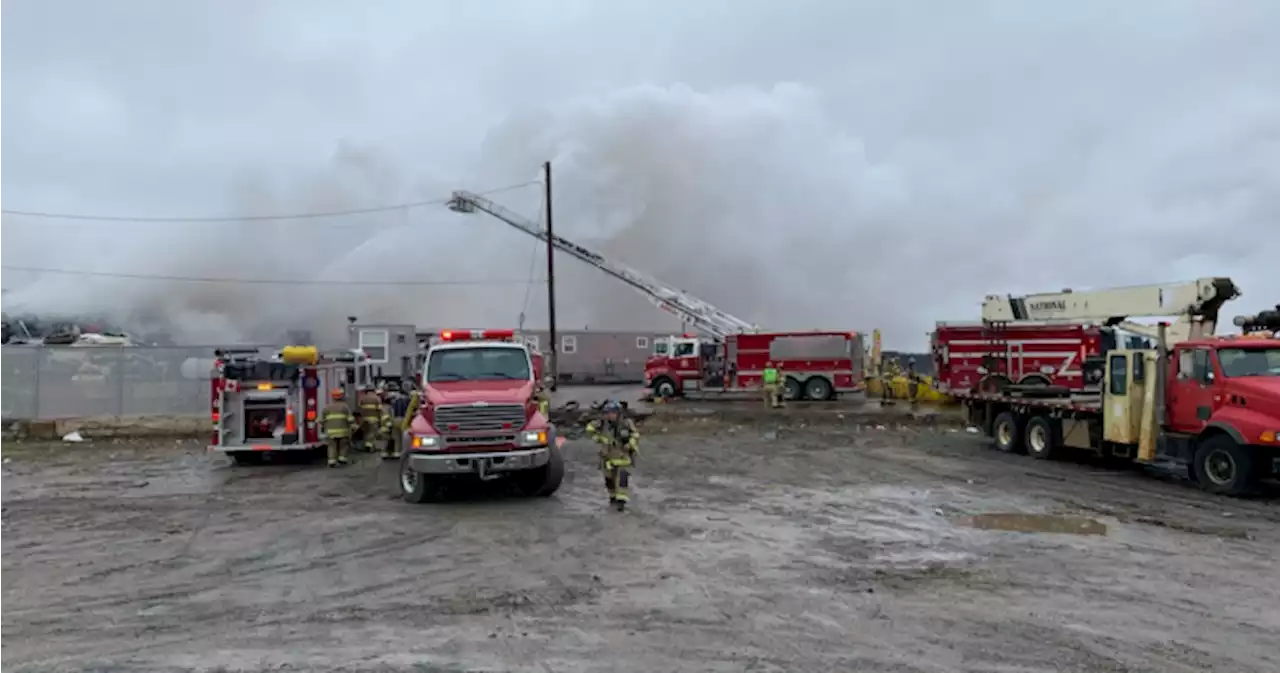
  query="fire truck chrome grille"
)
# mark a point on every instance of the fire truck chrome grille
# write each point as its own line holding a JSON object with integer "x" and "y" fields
{"x": 495, "y": 418}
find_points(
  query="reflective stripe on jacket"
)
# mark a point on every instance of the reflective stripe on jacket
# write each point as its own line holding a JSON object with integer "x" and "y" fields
{"x": 337, "y": 420}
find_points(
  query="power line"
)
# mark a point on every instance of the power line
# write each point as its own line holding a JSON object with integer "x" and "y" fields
{"x": 251, "y": 218}
{"x": 267, "y": 281}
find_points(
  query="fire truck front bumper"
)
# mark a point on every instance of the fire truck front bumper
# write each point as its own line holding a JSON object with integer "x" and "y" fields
{"x": 482, "y": 463}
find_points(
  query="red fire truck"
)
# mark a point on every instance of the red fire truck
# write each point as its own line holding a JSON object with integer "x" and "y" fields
{"x": 260, "y": 405}
{"x": 479, "y": 420}
{"x": 992, "y": 357}
{"x": 816, "y": 365}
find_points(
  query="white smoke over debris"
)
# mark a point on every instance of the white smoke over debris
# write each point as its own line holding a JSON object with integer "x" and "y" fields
{"x": 849, "y": 166}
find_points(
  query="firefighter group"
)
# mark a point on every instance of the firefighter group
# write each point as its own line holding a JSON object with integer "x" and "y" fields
{"x": 376, "y": 423}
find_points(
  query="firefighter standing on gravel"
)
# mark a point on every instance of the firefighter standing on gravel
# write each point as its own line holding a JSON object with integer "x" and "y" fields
{"x": 620, "y": 444}
{"x": 769, "y": 381}
{"x": 403, "y": 407}
{"x": 386, "y": 427}
{"x": 338, "y": 423}
{"x": 780, "y": 390}
{"x": 370, "y": 418}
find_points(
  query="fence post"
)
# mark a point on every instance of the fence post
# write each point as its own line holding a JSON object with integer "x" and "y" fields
{"x": 119, "y": 368}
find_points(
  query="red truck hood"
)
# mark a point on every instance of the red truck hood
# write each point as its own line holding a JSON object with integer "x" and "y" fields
{"x": 1262, "y": 388}
{"x": 468, "y": 392}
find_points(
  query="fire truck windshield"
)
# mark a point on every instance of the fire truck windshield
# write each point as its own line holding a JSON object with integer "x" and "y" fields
{"x": 478, "y": 363}
{"x": 1250, "y": 361}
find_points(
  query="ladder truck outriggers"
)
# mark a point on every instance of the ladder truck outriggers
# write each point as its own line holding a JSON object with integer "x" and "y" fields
{"x": 718, "y": 352}
{"x": 1207, "y": 403}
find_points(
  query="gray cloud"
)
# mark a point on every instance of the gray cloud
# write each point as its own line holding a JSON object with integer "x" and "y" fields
{"x": 800, "y": 164}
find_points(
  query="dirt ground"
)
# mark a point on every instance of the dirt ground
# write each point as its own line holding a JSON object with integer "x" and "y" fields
{"x": 848, "y": 539}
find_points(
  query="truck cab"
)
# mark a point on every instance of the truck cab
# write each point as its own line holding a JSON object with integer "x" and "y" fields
{"x": 479, "y": 419}
{"x": 1222, "y": 405}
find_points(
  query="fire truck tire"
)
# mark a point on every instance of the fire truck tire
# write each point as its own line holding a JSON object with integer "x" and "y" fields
{"x": 817, "y": 389}
{"x": 791, "y": 390}
{"x": 247, "y": 457}
{"x": 416, "y": 487}
{"x": 552, "y": 474}
{"x": 1007, "y": 432}
{"x": 1035, "y": 380}
{"x": 1043, "y": 437}
{"x": 993, "y": 385}
{"x": 1224, "y": 467}
{"x": 664, "y": 387}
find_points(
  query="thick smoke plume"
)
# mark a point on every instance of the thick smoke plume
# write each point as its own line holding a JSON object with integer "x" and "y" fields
{"x": 890, "y": 195}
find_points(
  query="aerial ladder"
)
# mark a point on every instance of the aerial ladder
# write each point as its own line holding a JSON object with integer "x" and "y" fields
{"x": 696, "y": 314}
{"x": 1194, "y": 305}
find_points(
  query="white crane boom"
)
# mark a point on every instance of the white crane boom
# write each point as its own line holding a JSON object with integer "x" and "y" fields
{"x": 697, "y": 314}
{"x": 1195, "y": 305}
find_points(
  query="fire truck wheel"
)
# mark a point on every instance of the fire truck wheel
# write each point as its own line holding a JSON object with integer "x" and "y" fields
{"x": 664, "y": 387}
{"x": 790, "y": 389}
{"x": 1042, "y": 437}
{"x": 993, "y": 385}
{"x": 247, "y": 457}
{"x": 544, "y": 481}
{"x": 1224, "y": 467}
{"x": 1007, "y": 432}
{"x": 817, "y": 389}
{"x": 417, "y": 487}
{"x": 1035, "y": 380}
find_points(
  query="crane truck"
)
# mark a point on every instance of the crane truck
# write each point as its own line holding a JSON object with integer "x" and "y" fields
{"x": 1209, "y": 404}
{"x": 718, "y": 352}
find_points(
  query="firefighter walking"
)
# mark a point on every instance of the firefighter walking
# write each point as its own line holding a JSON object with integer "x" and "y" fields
{"x": 771, "y": 384}
{"x": 338, "y": 423}
{"x": 370, "y": 408}
{"x": 620, "y": 444}
{"x": 402, "y": 409}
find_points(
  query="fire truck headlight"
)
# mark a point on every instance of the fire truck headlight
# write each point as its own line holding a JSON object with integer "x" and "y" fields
{"x": 533, "y": 438}
{"x": 425, "y": 442}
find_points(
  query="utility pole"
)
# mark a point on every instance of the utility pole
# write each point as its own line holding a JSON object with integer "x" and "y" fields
{"x": 551, "y": 286}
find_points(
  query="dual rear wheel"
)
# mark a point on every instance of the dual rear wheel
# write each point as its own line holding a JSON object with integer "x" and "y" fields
{"x": 1039, "y": 436}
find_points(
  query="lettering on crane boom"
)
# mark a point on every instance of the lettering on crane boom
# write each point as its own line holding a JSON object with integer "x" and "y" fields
{"x": 1050, "y": 305}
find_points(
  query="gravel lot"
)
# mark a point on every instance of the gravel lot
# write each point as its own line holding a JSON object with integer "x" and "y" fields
{"x": 849, "y": 539}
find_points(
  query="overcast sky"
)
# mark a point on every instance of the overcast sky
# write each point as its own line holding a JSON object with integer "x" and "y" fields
{"x": 812, "y": 163}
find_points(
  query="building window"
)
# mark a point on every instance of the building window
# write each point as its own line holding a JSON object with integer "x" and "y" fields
{"x": 374, "y": 343}
{"x": 642, "y": 343}
{"x": 531, "y": 342}
{"x": 569, "y": 344}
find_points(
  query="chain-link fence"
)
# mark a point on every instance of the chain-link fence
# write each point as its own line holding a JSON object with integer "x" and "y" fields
{"x": 55, "y": 382}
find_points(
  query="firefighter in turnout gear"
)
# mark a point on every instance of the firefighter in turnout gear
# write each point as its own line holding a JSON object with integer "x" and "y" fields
{"x": 770, "y": 379}
{"x": 780, "y": 390}
{"x": 387, "y": 427}
{"x": 542, "y": 394}
{"x": 370, "y": 418}
{"x": 338, "y": 423}
{"x": 620, "y": 444}
{"x": 402, "y": 409}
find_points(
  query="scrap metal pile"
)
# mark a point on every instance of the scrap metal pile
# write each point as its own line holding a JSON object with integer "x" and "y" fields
{"x": 571, "y": 418}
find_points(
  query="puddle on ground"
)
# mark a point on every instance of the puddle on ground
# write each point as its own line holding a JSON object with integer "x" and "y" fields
{"x": 1034, "y": 523}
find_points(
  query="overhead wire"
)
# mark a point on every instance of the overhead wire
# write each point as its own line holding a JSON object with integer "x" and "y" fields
{"x": 266, "y": 281}
{"x": 403, "y": 208}
{"x": 213, "y": 219}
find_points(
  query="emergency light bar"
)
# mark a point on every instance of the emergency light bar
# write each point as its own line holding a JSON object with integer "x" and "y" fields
{"x": 477, "y": 334}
